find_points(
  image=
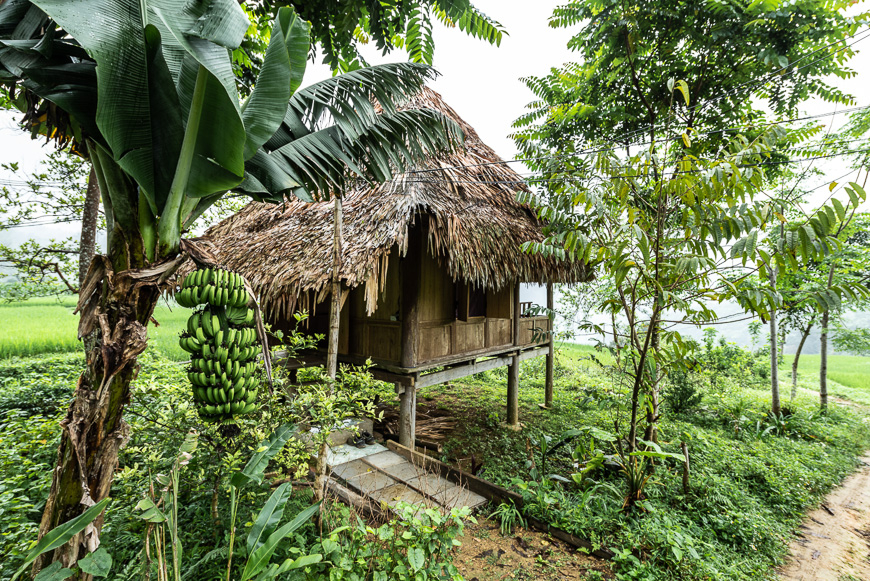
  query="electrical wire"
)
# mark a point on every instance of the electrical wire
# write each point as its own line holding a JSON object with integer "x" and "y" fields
{"x": 620, "y": 141}
{"x": 676, "y": 172}
{"x": 663, "y": 140}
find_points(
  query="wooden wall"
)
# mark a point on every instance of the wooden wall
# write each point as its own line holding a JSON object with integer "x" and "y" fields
{"x": 378, "y": 335}
{"x": 440, "y": 335}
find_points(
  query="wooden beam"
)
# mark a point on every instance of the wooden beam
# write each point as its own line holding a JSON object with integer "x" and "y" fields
{"x": 413, "y": 377}
{"x": 532, "y": 353}
{"x": 335, "y": 302}
{"x": 462, "y": 371}
{"x": 408, "y": 417}
{"x": 363, "y": 504}
{"x": 551, "y": 352}
{"x": 410, "y": 297}
{"x": 405, "y": 380}
{"x": 513, "y": 382}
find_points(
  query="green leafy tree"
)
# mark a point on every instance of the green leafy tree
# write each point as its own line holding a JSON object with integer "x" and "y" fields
{"x": 57, "y": 194}
{"x": 339, "y": 28}
{"x": 148, "y": 89}
{"x": 652, "y": 156}
{"x": 821, "y": 292}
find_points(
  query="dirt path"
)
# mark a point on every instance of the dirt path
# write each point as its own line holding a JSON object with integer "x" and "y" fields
{"x": 834, "y": 541}
{"x": 526, "y": 555}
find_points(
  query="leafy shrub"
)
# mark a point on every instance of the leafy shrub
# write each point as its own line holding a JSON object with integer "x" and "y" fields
{"x": 28, "y": 447}
{"x": 681, "y": 393}
{"x": 417, "y": 545}
{"x": 720, "y": 359}
{"x": 747, "y": 489}
{"x": 39, "y": 385}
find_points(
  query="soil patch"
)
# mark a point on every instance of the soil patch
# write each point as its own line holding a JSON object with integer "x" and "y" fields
{"x": 834, "y": 540}
{"x": 485, "y": 555}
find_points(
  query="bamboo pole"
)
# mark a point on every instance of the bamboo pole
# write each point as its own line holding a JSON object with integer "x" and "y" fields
{"x": 335, "y": 310}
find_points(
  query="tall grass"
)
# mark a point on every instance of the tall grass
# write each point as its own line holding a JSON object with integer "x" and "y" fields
{"x": 48, "y": 326}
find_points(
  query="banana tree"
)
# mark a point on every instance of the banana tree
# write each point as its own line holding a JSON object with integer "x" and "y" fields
{"x": 147, "y": 86}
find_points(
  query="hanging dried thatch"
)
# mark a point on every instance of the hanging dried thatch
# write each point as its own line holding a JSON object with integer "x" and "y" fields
{"x": 475, "y": 229}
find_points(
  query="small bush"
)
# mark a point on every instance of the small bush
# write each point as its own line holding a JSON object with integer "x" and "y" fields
{"x": 681, "y": 393}
{"x": 417, "y": 545}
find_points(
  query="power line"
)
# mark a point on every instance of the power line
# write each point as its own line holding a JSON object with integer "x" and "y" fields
{"x": 664, "y": 140}
{"x": 575, "y": 178}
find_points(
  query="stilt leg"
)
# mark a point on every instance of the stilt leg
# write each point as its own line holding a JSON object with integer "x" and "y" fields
{"x": 408, "y": 417}
{"x": 513, "y": 393}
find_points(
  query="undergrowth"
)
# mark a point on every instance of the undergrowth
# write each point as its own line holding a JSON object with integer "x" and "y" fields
{"x": 752, "y": 475}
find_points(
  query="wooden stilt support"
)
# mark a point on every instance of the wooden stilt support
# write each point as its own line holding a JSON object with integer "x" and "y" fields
{"x": 410, "y": 295}
{"x": 513, "y": 384}
{"x": 548, "y": 381}
{"x": 407, "y": 416}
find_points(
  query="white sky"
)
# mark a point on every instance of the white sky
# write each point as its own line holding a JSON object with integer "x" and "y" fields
{"x": 481, "y": 82}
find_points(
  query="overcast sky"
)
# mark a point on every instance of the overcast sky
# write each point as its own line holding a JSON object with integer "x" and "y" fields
{"x": 481, "y": 82}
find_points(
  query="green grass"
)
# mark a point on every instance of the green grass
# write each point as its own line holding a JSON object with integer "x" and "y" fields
{"x": 849, "y": 371}
{"x": 749, "y": 487}
{"x": 48, "y": 325}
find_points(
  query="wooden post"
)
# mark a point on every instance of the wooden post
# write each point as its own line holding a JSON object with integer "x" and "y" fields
{"x": 410, "y": 295}
{"x": 513, "y": 386}
{"x": 335, "y": 309}
{"x": 407, "y": 416}
{"x": 548, "y": 382}
{"x": 410, "y": 335}
{"x": 332, "y": 347}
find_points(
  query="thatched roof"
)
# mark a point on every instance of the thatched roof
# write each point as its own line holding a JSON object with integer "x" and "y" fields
{"x": 475, "y": 229}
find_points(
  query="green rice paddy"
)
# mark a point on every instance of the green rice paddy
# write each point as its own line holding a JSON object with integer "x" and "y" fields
{"x": 48, "y": 326}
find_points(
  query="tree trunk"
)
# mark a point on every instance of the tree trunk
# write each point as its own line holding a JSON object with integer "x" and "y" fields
{"x": 823, "y": 366}
{"x": 90, "y": 217}
{"x": 651, "y": 433}
{"x": 639, "y": 372}
{"x": 332, "y": 348}
{"x": 774, "y": 364}
{"x": 113, "y": 329}
{"x": 797, "y": 355}
{"x": 774, "y": 368}
{"x": 115, "y": 303}
{"x": 548, "y": 381}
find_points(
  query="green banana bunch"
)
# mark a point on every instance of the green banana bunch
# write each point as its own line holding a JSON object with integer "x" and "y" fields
{"x": 213, "y": 286}
{"x": 222, "y": 343}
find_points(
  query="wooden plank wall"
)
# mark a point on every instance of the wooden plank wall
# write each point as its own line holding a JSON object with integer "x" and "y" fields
{"x": 379, "y": 335}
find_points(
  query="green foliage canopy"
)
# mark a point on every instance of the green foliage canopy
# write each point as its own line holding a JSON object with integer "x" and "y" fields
{"x": 151, "y": 87}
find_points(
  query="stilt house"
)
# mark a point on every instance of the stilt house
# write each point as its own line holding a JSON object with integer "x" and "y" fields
{"x": 431, "y": 270}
